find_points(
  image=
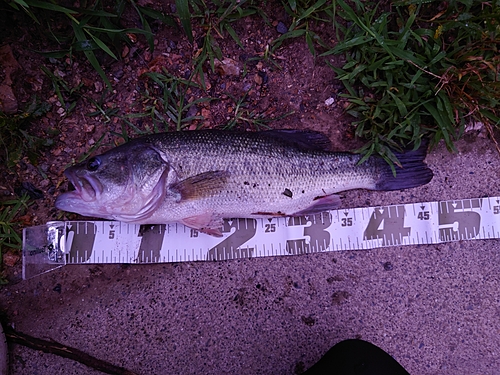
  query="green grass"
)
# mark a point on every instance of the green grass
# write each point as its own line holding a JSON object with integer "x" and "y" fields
{"x": 17, "y": 138}
{"x": 243, "y": 115}
{"x": 66, "y": 95}
{"x": 10, "y": 238}
{"x": 215, "y": 19}
{"x": 92, "y": 27}
{"x": 303, "y": 14}
{"x": 167, "y": 103}
{"x": 414, "y": 70}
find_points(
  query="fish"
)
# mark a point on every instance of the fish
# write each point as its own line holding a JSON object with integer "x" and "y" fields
{"x": 200, "y": 177}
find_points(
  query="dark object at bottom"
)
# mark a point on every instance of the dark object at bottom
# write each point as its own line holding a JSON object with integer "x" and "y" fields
{"x": 356, "y": 357}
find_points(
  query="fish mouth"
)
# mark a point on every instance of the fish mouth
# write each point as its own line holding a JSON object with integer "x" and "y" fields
{"x": 82, "y": 187}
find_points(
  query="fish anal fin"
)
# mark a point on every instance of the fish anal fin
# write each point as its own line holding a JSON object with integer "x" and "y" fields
{"x": 206, "y": 223}
{"x": 201, "y": 185}
{"x": 321, "y": 204}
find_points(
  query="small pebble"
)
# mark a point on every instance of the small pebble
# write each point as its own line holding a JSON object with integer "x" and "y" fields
{"x": 125, "y": 51}
{"x": 227, "y": 67}
{"x": 329, "y": 101}
{"x": 192, "y": 111}
{"x": 98, "y": 86}
{"x": 264, "y": 77}
{"x": 281, "y": 28}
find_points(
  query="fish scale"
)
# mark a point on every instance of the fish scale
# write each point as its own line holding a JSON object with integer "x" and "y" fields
{"x": 266, "y": 162}
{"x": 264, "y": 168}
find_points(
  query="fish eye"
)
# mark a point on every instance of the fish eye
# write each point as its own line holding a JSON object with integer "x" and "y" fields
{"x": 93, "y": 164}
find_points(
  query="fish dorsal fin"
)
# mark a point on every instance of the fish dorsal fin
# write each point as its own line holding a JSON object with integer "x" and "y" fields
{"x": 201, "y": 185}
{"x": 303, "y": 139}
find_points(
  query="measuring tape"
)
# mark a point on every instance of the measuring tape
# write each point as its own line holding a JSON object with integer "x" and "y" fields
{"x": 59, "y": 243}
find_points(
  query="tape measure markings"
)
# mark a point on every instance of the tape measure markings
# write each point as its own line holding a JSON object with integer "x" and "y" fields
{"x": 345, "y": 229}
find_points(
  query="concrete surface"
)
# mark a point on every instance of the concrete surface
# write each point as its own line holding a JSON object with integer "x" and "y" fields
{"x": 437, "y": 311}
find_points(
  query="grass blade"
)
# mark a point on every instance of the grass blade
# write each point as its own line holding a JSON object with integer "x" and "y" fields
{"x": 185, "y": 17}
{"x": 311, "y": 10}
{"x": 103, "y": 46}
{"x": 156, "y": 15}
{"x": 80, "y": 35}
{"x": 50, "y": 6}
{"x": 233, "y": 34}
{"x": 403, "y": 111}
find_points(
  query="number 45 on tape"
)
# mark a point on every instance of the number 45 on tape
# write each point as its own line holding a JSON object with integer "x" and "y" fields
{"x": 55, "y": 244}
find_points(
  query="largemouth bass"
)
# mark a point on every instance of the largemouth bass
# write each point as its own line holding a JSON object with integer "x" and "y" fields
{"x": 200, "y": 177}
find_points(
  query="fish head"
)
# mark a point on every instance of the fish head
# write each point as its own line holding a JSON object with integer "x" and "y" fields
{"x": 127, "y": 183}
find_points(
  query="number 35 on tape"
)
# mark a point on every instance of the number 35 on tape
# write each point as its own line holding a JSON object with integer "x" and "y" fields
{"x": 77, "y": 242}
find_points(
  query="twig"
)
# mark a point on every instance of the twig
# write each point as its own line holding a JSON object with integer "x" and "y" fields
{"x": 64, "y": 351}
{"x": 442, "y": 80}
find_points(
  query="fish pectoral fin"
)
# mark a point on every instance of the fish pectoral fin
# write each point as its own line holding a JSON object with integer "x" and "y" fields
{"x": 201, "y": 185}
{"x": 206, "y": 223}
{"x": 321, "y": 204}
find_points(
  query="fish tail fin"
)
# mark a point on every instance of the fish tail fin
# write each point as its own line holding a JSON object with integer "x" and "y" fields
{"x": 413, "y": 171}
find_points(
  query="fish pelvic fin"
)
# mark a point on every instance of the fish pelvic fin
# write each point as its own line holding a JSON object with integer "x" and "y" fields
{"x": 206, "y": 223}
{"x": 412, "y": 171}
{"x": 201, "y": 185}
